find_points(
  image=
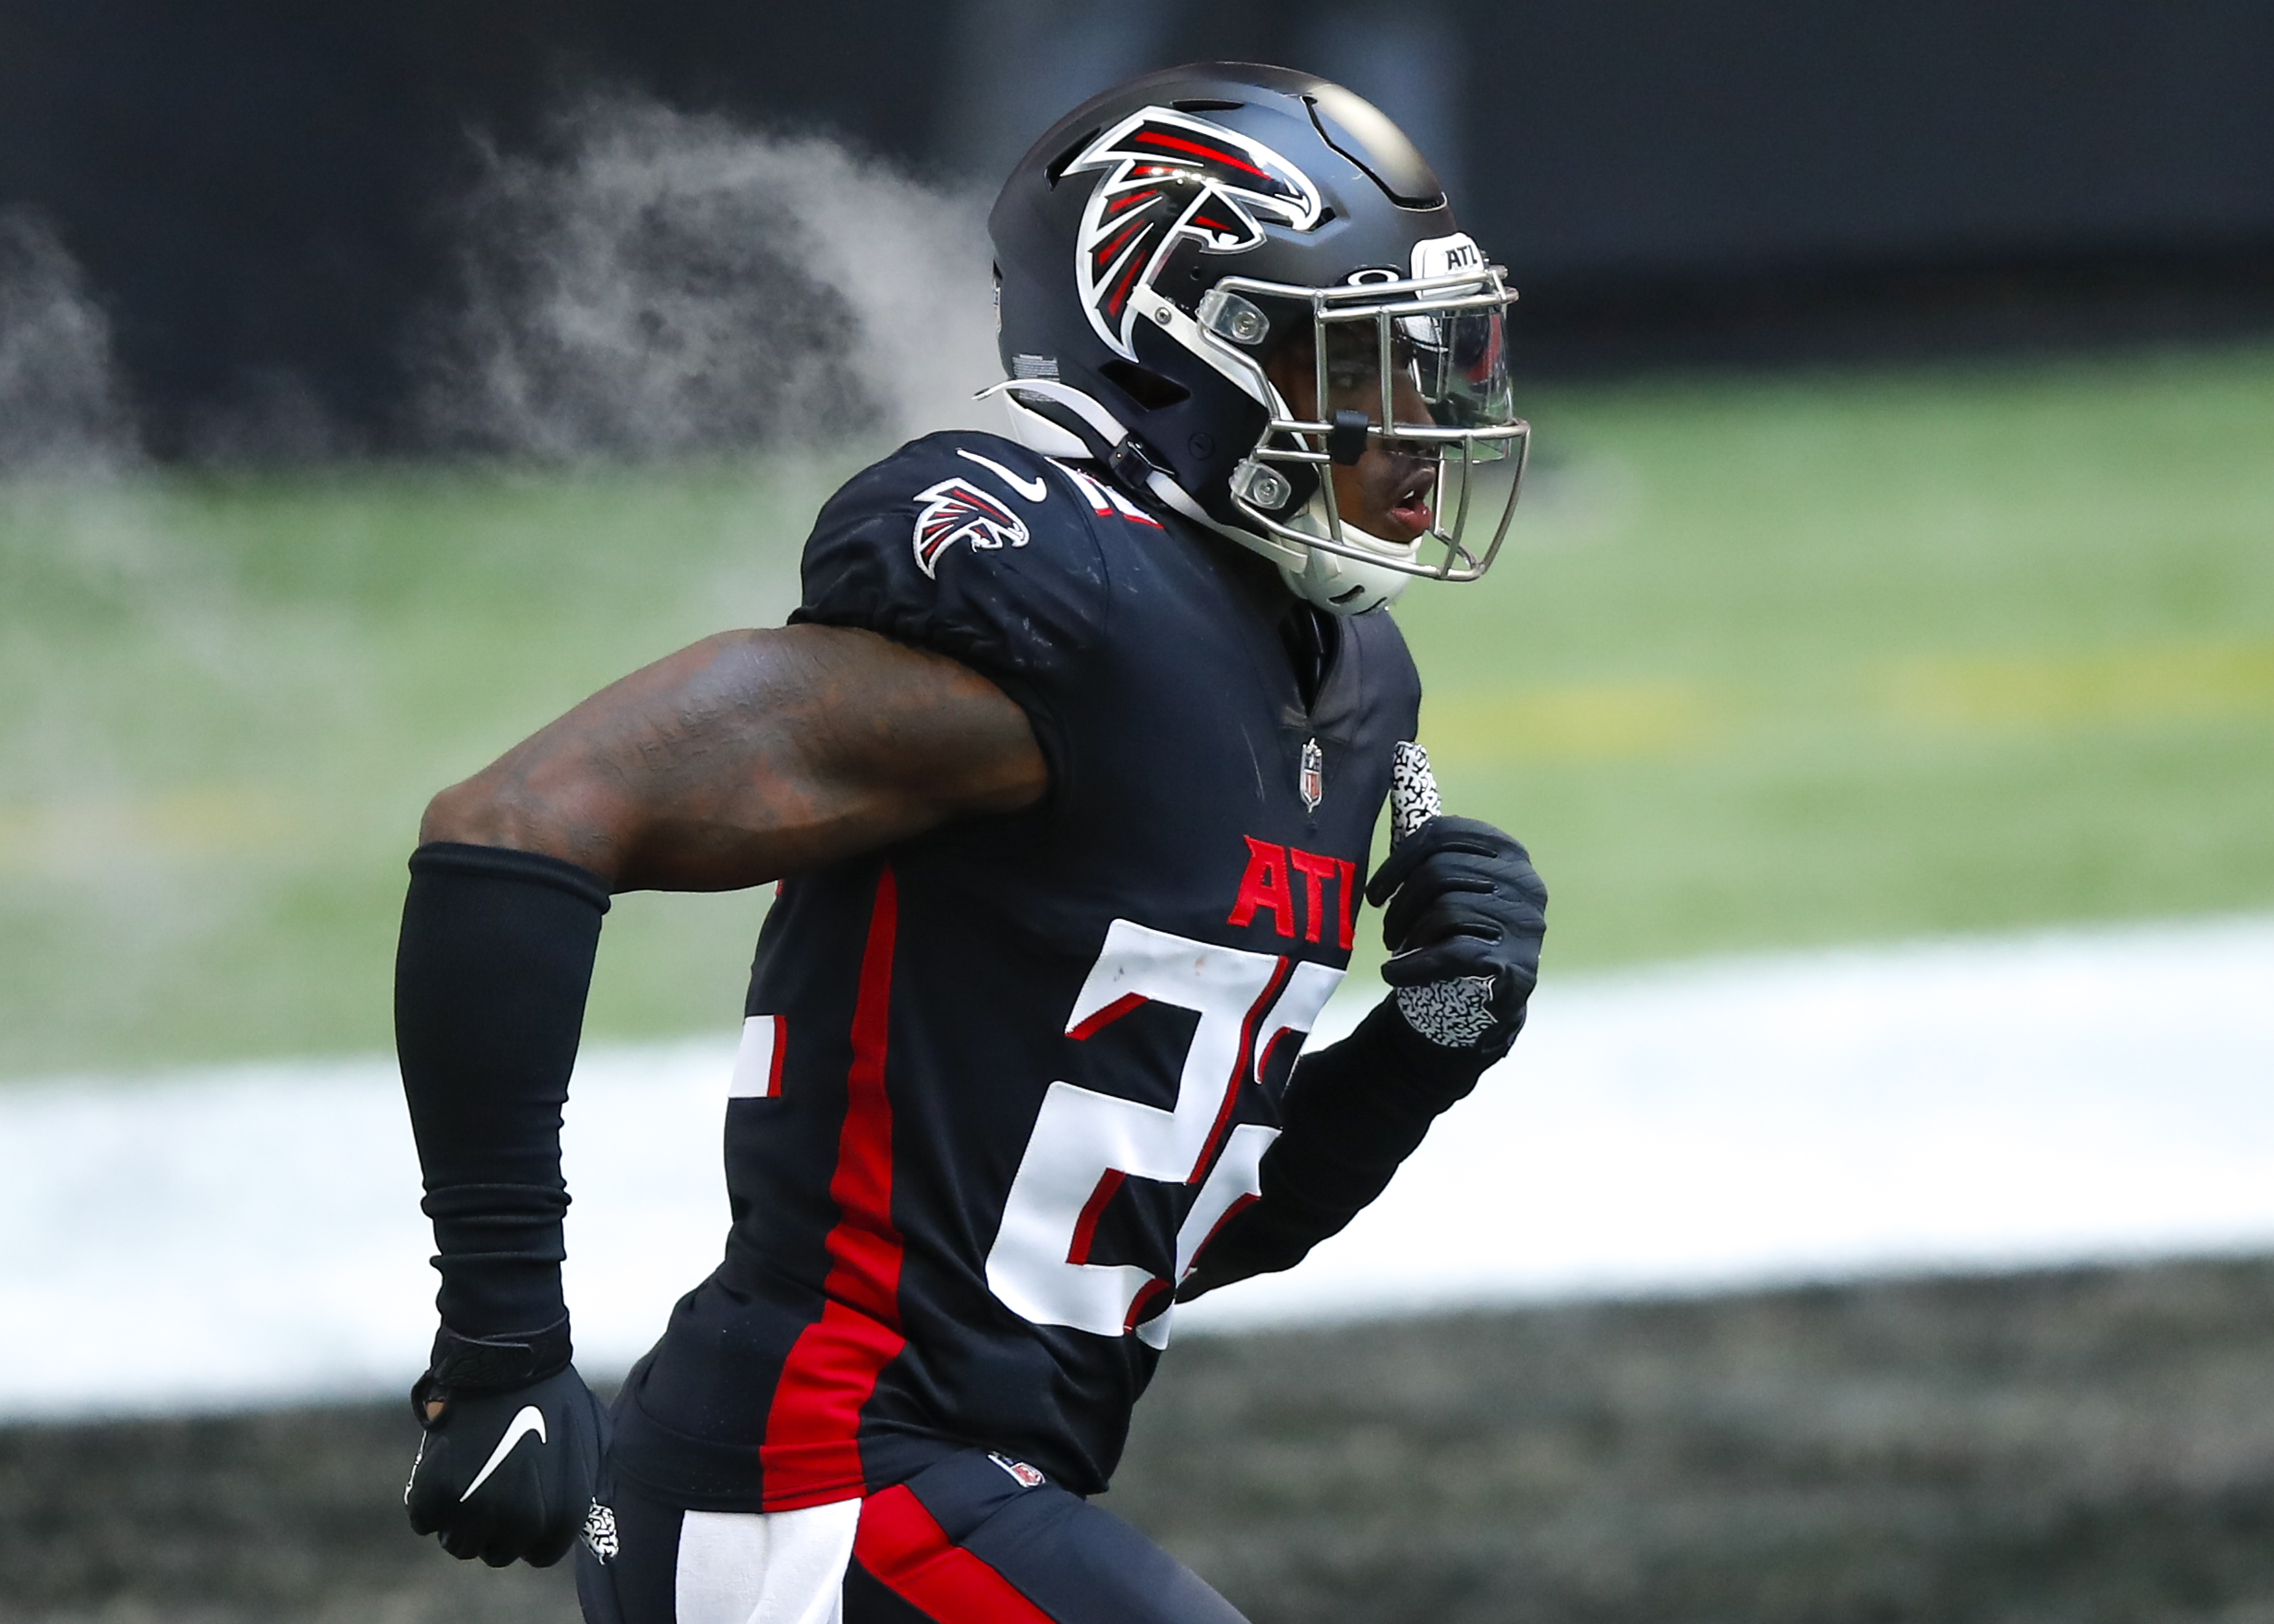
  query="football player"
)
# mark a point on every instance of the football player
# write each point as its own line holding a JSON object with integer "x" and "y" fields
{"x": 1067, "y": 765}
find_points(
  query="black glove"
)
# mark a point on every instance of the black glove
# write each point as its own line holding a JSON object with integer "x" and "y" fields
{"x": 1464, "y": 930}
{"x": 1467, "y": 913}
{"x": 506, "y": 1467}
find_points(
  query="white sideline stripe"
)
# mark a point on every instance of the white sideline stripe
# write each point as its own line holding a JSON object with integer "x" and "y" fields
{"x": 250, "y": 1234}
{"x": 2070, "y": 1097}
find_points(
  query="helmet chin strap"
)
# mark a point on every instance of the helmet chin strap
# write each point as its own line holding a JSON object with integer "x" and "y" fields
{"x": 1337, "y": 584}
{"x": 1114, "y": 446}
{"x": 1041, "y": 434}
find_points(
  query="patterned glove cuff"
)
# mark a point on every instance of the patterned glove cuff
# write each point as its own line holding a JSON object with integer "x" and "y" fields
{"x": 1454, "y": 1013}
{"x": 491, "y": 1364}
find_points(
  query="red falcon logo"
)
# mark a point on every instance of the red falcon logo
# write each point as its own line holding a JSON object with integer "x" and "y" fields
{"x": 953, "y": 511}
{"x": 1169, "y": 177}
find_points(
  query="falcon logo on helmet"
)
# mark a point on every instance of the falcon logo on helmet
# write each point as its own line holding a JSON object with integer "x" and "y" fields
{"x": 1336, "y": 398}
{"x": 1170, "y": 177}
{"x": 955, "y": 511}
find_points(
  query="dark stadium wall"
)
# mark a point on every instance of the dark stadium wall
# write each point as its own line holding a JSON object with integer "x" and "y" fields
{"x": 261, "y": 196}
{"x": 1773, "y": 177}
{"x": 1756, "y": 132}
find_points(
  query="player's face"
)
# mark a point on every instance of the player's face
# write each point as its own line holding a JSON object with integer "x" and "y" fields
{"x": 1387, "y": 492}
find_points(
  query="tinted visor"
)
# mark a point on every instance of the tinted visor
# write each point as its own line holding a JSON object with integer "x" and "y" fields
{"x": 1448, "y": 370}
{"x": 1459, "y": 366}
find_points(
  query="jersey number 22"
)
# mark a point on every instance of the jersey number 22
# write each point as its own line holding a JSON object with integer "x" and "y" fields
{"x": 1086, "y": 1144}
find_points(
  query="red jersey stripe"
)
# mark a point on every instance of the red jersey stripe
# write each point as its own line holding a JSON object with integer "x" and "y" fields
{"x": 905, "y": 1550}
{"x": 1113, "y": 1011}
{"x": 1085, "y": 1227}
{"x": 1216, "y": 1228}
{"x": 1142, "y": 1306}
{"x": 1241, "y": 1069}
{"x": 811, "y": 1454}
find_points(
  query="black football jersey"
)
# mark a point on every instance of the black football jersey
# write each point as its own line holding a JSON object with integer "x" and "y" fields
{"x": 1000, "y": 1084}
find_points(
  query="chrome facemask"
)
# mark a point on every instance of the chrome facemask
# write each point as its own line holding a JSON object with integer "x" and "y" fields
{"x": 1417, "y": 365}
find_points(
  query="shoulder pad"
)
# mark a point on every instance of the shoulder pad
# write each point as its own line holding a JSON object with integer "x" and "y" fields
{"x": 974, "y": 547}
{"x": 963, "y": 492}
{"x": 1106, "y": 499}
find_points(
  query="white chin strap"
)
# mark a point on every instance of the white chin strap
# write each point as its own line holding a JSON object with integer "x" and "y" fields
{"x": 1337, "y": 584}
{"x": 1037, "y": 432}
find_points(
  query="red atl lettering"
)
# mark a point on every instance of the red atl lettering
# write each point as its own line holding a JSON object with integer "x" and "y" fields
{"x": 1264, "y": 885}
{"x": 1315, "y": 870}
{"x": 1269, "y": 883}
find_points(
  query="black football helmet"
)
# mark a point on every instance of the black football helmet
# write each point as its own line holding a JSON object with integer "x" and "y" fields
{"x": 1165, "y": 239}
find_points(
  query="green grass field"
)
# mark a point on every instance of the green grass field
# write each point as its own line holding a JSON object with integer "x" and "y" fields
{"x": 1771, "y": 661}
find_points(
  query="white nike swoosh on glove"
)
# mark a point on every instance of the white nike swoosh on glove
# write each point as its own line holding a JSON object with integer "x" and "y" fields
{"x": 529, "y": 1419}
{"x": 1034, "y": 490}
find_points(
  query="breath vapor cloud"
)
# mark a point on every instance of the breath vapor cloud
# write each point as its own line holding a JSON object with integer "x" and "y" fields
{"x": 664, "y": 284}
{"x": 62, "y": 409}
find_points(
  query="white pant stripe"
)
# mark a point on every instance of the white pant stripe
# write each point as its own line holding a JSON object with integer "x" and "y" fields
{"x": 772, "y": 1568}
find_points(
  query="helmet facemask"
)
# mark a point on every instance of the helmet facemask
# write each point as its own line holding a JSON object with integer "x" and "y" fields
{"x": 1399, "y": 454}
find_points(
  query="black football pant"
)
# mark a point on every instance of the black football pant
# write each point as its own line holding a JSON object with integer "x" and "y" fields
{"x": 972, "y": 1539}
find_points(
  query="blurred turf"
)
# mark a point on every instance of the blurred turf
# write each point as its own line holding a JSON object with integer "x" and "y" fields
{"x": 2073, "y": 1447}
{"x": 230, "y": 699}
{"x": 1827, "y": 658}
{"x": 1769, "y": 662}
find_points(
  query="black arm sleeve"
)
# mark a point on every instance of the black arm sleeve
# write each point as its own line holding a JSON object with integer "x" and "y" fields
{"x": 489, "y": 979}
{"x": 1354, "y": 1111}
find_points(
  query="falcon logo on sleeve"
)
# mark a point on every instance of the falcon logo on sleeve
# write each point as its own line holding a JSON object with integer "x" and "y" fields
{"x": 954, "y": 510}
{"x": 1169, "y": 176}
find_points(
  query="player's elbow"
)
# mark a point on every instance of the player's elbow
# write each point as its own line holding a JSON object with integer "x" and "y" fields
{"x": 492, "y": 810}
{"x": 467, "y": 814}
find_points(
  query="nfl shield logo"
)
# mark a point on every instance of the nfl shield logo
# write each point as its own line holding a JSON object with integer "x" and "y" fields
{"x": 1310, "y": 783}
{"x": 1025, "y": 1476}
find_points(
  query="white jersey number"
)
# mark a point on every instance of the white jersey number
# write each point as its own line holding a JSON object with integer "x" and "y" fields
{"x": 1086, "y": 1144}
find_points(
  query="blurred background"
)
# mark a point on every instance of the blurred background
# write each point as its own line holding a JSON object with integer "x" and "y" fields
{"x": 1874, "y": 1222}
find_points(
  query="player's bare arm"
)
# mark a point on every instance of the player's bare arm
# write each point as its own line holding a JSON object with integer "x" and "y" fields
{"x": 751, "y": 755}
{"x": 747, "y": 756}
